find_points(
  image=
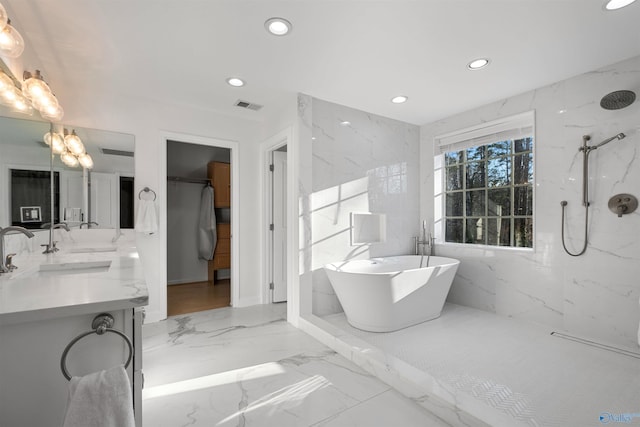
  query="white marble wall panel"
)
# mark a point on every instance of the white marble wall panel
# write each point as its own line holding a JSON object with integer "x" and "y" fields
{"x": 370, "y": 164}
{"x": 594, "y": 295}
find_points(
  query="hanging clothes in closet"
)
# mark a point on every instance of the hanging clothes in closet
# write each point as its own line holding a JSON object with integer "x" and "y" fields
{"x": 207, "y": 235}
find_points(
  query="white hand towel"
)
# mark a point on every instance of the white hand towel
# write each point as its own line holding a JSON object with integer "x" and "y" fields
{"x": 100, "y": 399}
{"x": 146, "y": 219}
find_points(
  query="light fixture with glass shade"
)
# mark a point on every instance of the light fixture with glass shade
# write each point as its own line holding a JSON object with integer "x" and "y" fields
{"x": 73, "y": 143}
{"x": 38, "y": 92}
{"x": 3, "y": 17}
{"x": 11, "y": 42}
{"x": 70, "y": 148}
{"x": 55, "y": 141}
{"x": 69, "y": 159}
{"x": 34, "y": 86}
{"x": 85, "y": 161}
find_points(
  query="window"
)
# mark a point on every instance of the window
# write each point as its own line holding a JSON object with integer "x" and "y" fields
{"x": 487, "y": 193}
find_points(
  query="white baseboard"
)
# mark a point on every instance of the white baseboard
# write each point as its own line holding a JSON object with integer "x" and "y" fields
{"x": 246, "y": 302}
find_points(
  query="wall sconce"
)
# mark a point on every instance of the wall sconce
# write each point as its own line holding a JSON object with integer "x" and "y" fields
{"x": 56, "y": 139}
{"x": 12, "y": 97}
{"x": 70, "y": 147}
{"x": 11, "y": 42}
{"x": 36, "y": 90}
{"x": 73, "y": 143}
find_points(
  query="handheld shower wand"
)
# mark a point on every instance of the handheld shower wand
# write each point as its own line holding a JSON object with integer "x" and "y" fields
{"x": 586, "y": 149}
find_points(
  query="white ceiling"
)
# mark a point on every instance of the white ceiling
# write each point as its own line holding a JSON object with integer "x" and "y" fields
{"x": 356, "y": 53}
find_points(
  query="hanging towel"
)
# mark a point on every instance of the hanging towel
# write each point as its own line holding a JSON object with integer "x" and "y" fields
{"x": 207, "y": 236}
{"x": 146, "y": 220}
{"x": 100, "y": 399}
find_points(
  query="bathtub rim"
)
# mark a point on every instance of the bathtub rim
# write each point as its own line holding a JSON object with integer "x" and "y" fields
{"x": 331, "y": 267}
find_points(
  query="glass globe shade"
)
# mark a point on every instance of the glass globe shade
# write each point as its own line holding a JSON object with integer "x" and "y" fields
{"x": 57, "y": 145}
{"x": 3, "y": 17}
{"x": 5, "y": 82}
{"x": 54, "y": 137}
{"x": 85, "y": 161}
{"x": 53, "y": 113}
{"x": 10, "y": 94}
{"x": 44, "y": 102}
{"x": 34, "y": 87}
{"x": 11, "y": 42}
{"x": 74, "y": 143}
{"x": 69, "y": 159}
{"x": 22, "y": 105}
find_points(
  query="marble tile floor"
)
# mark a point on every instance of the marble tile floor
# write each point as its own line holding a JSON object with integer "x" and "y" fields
{"x": 249, "y": 367}
{"x": 506, "y": 372}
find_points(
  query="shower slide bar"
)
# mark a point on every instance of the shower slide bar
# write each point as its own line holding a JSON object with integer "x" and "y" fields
{"x": 101, "y": 323}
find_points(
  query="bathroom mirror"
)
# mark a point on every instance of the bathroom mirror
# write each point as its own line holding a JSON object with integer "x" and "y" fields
{"x": 103, "y": 195}
{"x": 367, "y": 228}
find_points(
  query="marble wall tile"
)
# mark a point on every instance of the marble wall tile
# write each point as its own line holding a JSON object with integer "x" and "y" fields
{"x": 594, "y": 295}
{"x": 369, "y": 164}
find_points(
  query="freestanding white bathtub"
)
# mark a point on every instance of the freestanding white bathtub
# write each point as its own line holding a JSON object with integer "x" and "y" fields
{"x": 391, "y": 293}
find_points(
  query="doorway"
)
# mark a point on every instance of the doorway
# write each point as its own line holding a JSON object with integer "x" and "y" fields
{"x": 278, "y": 225}
{"x": 198, "y": 227}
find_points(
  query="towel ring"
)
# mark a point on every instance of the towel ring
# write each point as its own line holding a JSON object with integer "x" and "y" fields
{"x": 147, "y": 190}
{"x": 101, "y": 323}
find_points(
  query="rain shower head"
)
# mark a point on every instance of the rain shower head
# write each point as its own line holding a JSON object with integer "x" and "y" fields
{"x": 617, "y": 100}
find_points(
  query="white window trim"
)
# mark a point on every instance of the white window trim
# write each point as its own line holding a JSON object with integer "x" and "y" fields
{"x": 480, "y": 134}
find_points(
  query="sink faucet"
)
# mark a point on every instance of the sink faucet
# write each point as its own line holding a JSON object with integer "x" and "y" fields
{"x": 7, "y": 266}
{"x": 51, "y": 246}
{"x": 88, "y": 224}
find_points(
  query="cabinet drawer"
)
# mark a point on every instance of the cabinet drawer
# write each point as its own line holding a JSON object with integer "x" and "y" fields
{"x": 224, "y": 230}
{"x": 222, "y": 261}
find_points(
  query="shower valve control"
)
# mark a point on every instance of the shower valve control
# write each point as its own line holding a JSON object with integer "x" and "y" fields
{"x": 622, "y": 204}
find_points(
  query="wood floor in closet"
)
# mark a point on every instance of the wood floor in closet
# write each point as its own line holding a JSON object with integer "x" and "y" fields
{"x": 198, "y": 296}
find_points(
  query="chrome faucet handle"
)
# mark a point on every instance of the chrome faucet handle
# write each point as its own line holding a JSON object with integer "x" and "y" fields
{"x": 9, "y": 262}
{"x": 50, "y": 248}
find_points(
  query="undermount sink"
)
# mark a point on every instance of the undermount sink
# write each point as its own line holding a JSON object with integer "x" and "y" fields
{"x": 85, "y": 250}
{"x": 79, "y": 267}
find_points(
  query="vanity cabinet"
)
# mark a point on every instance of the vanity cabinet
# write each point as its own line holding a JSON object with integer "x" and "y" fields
{"x": 34, "y": 391}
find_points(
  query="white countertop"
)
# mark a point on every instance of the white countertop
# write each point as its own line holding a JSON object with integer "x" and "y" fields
{"x": 28, "y": 294}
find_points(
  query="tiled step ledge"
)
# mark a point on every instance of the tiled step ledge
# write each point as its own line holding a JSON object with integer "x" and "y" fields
{"x": 457, "y": 409}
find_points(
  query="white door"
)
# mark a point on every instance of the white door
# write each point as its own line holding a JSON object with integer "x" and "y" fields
{"x": 279, "y": 221}
{"x": 103, "y": 197}
{"x": 71, "y": 198}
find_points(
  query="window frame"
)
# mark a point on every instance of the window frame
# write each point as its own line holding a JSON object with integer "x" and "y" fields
{"x": 484, "y": 134}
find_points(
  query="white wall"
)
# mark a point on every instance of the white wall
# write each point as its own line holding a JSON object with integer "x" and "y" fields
{"x": 369, "y": 165}
{"x": 594, "y": 295}
{"x": 146, "y": 120}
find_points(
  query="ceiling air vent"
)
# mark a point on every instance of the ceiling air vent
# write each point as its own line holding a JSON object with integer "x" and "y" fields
{"x": 248, "y": 105}
{"x": 117, "y": 152}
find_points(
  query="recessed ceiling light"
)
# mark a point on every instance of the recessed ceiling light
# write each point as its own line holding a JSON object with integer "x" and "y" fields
{"x": 278, "y": 26}
{"x": 235, "y": 82}
{"x": 477, "y": 64}
{"x": 617, "y": 4}
{"x": 399, "y": 99}
{"x": 345, "y": 123}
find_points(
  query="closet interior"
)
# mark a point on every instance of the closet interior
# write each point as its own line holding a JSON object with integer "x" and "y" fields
{"x": 198, "y": 227}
